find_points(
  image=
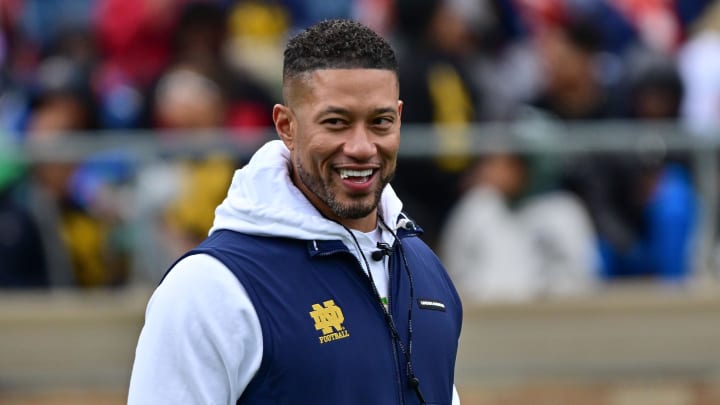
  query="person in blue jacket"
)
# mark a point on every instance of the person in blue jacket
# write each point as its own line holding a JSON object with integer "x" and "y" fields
{"x": 313, "y": 286}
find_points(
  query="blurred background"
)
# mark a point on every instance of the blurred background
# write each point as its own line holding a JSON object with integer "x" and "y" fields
{"x": 561, "y": 156}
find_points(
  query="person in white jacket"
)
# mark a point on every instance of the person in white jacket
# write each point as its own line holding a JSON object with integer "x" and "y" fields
{"x": 205, "y": 338}
{"x": 498, "y": 247}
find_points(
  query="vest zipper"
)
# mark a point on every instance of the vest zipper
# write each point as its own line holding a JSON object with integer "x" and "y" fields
{"x": 398, "y": 376}
{"x": 398, "y": 373}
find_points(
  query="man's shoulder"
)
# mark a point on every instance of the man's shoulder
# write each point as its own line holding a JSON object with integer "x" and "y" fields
{"x": 241, "y": 248}
{"x": 241, "y": 241}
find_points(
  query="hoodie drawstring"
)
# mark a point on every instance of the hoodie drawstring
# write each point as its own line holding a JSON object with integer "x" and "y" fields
{"x": 413, "y": 381}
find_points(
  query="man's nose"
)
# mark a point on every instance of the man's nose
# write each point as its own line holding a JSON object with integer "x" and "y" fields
{"x": 359, "y": 144}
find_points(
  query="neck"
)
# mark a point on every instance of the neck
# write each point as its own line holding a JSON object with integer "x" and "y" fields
{"x": 365, "y": 224}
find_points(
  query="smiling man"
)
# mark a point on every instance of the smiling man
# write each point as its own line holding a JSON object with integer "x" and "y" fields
{"x": 313, "y": 287}
{"x": 342, "y": 127}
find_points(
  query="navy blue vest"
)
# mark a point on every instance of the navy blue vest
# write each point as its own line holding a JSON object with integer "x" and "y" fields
{"x": 325, "y": 338}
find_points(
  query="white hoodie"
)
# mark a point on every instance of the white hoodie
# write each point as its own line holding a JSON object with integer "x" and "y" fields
{"x": 202, "y": 341}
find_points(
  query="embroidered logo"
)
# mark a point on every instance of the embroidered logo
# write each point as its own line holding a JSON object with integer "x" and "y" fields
{"x": 329, "y": 318}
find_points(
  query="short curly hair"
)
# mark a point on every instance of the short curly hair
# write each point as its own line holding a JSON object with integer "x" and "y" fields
{"x": 337, "y": 44}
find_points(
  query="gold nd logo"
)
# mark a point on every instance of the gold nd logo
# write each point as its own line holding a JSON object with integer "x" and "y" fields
{"x": 329, "y": 317}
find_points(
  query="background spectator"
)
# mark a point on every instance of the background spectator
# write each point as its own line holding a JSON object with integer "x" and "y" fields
{"x": 72, "y": 238}
{"x": 502, "y": 246}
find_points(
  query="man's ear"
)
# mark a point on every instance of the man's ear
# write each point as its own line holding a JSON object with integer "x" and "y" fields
{"x": 284, "y": 124}
{"x": 400, "y": 108}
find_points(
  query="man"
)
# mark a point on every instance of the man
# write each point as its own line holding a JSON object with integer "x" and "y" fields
{"x": 312, "y": 287}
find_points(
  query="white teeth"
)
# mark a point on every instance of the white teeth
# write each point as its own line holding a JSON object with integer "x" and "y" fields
{"x": 345, "y": 173}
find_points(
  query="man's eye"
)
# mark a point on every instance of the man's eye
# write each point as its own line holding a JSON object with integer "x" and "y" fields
{"x": 383, "y": 122}
{"x": 335, "y": 122}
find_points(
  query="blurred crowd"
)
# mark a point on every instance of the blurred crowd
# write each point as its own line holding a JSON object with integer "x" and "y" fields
{"x": 508, "y": 225}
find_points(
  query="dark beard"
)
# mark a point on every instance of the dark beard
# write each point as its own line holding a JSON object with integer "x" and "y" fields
{"x": 354, "y": 210}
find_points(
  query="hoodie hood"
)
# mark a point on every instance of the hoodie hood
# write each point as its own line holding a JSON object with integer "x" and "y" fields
{"x": 263, "y": 201}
